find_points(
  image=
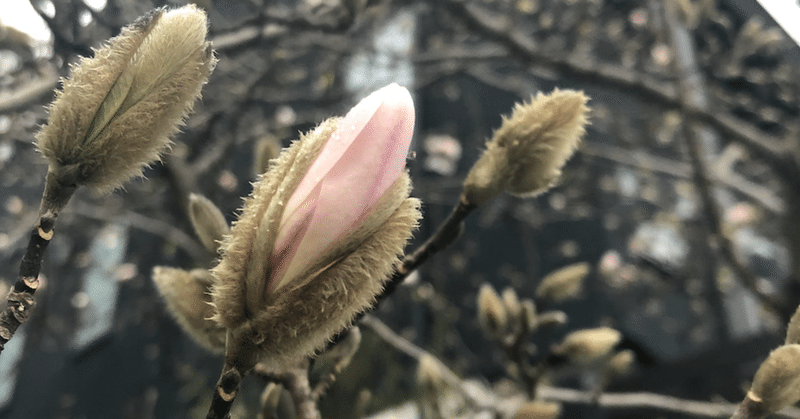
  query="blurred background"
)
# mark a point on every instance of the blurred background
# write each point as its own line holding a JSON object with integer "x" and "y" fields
{"x": 684, "y": 197}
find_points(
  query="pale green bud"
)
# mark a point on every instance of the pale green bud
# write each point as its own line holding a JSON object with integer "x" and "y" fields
{"x": 563, "y": 284}
{"x": 525, "y": 155}
{"x": 117, "y": 110}
{"x": 208, "y": 221}
{"x": 187, "y": 296}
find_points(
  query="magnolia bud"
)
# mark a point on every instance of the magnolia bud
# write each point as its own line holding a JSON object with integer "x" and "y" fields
{"x": 621, "y": 362}
{"x": 320, "y": 233}
{"x": 118, "y": 109}
{"x": 208, "y": 221}
{"x": 588, "y": 345}
{"x": 491, "y": 311}
{"x": 553, "y": 318}
{"x": 525, "y": 155}
{"x": 270, "y": 399}
{"x": 793, "y": 329}
{"x": 777, "y": 381}
{"x": 265, "y": 150}
{"x": 187, "y": 296}
{"x": 564, "y": 283}
{"x": 538, "y": 410}
{"x": 513, "y": 309}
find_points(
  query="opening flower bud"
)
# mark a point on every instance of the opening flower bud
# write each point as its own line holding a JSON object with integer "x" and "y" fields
{"x": 118, "y": 109}
{"x": 321, "y": 231}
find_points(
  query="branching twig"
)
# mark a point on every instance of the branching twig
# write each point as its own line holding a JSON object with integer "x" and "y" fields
{"x": 414, "y": 351}
{"x": 610, "y": 401}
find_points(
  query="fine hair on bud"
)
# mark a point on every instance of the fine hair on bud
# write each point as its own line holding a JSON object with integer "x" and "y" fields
{"x": 776, "y": 384}
{"x": 117, "y": 110}
{"x": 293, "y": 321}
{"x": 492, "y": 314}
{"x": 208, "y": 221}
{"x": 527, "y": 152}
{"x": 187, "y": 296}
{"x": 588, "y": 345}
{"x": 553, "y": 318}
{"x": 563, "y": 284}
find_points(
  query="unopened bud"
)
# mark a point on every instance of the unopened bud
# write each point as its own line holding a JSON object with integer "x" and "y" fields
{"x": 513, "y": 308}
{"x": 118, "y": 109}
{"x": 529, "y": 317}
{"x": 564, "y": 283}
{"x": 525, "y": 155}
{"x": 270, "y": 399}
{"x": 588, "y": 345}
{"x": 621, "y": 362}
{"x": 793, "y": 329}
{"x": 187, "y": 296}
{"x": 266, "y": 149}
{"x": 538, "y": 410}
{"x": 429, "y": 376}
{"x": 553, "y": 318}
{"x": 776, "y": 384}
{"x": 492, "y": 314}
{"x": 208, "y": 221}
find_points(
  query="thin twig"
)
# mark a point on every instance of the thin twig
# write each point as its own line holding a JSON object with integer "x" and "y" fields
{"x": 609, "y": 401}
{"x": 414, "y": 351}
{"x": 20, "y": 298}
{"x": 448, "y": 231}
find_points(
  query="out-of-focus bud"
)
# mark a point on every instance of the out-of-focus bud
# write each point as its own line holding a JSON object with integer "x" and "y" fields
{"x": 529, "y": 317}
{"x": 777, "y": 381}
{"x": 513, "y": 309}
{"x": 342, "y": 353}
{"x": 553, "y": 318}
{"x": 430, "y": 386}
{"x": 208, "y": 221}
{"x": 793, "y": 329}
{"x": 118, "y": 109}
{"x": 584, "y": 346}
{"x": 621, "y": 362}
{"x": 564, "y": 283}
{"x": 538, "y": 410}
{"x": 187, "y": 298}
{"x": 525, "y": 155}
{"x": 429, "y": 376}
{"x": 270, "y": 399}
{"x": 492, "y": 314}
{"x": 265, "y": 150}
{"x": 320, "y": 233}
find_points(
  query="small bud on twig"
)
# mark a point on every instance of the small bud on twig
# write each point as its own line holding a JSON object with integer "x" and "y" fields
{"x": 538, "y": 410}
{"x": 585, "y": 346}
{"x": 208, "y": 221}
{"x": 564, "y": 283}
{"x": 525, "y": 155}
{"x": 492, "y": 314}
{"x": 187, "y": 296}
